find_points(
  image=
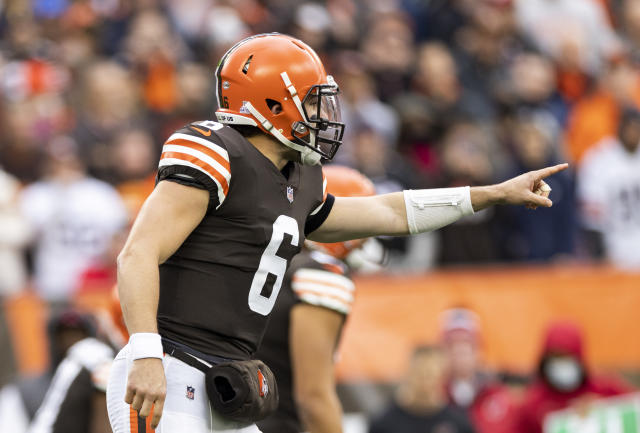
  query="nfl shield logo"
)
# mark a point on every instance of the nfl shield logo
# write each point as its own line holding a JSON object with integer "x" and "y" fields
{"x": 290, "y": 194}
{"x": 191, "y": 392}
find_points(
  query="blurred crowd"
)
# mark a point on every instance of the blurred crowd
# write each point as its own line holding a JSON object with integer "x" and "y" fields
{"x": 447, "y": 388}
{"x": 435, "y": 93}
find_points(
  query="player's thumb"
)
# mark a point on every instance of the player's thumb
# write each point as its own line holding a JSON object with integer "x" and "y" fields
{"x": 538, "y": 200}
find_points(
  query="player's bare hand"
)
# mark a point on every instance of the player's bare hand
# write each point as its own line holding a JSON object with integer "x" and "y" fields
{"x": 147, "y": 388}
{"x": 529, "y": 189}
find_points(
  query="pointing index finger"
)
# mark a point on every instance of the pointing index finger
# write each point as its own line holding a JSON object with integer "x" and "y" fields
{"x": 548, "y": 171}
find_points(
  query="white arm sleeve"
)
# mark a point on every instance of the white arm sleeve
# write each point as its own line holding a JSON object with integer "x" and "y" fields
{"x": 430, "y": 209}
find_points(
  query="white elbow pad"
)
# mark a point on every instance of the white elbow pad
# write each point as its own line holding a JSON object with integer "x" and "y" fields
{"x": 430, "y": 209}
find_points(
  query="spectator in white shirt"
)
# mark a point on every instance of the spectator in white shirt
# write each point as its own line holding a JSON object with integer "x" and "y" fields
{"x": 74, "y": 216}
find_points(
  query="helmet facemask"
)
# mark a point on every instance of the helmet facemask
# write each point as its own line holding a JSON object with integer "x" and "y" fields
{"x": 322, "y": 128}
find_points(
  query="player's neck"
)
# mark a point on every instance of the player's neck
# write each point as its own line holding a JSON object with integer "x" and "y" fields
{"x": 272, "y": 149}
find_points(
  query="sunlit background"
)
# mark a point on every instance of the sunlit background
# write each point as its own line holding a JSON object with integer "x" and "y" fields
{"x": 435, "y": 93}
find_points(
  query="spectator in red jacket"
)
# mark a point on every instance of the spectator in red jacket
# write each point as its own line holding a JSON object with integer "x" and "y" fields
{"x": 489, "y": 404}
{"x": 563, "y": 379}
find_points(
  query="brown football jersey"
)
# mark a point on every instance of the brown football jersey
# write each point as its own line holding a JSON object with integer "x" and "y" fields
{"x": 218, "y": 288}
{"x": 314, "y": 278}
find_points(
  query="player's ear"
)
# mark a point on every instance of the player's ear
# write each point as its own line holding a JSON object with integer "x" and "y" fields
{"x": 274, "y": 106}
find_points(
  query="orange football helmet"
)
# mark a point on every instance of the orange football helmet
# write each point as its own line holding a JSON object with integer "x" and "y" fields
{"x": 344, "y": 182}
{"x": 264, "y": 70}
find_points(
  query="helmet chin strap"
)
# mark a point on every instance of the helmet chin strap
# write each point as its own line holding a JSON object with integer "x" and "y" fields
{"x": 307, "y": 155}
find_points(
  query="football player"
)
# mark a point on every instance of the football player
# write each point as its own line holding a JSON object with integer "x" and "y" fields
{"x": 235, "y": 200}
{"x": 75, "y": 399}
{"x": 306, "y": 323}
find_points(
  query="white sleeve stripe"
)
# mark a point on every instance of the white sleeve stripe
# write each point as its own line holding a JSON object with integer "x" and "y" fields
{"x": 332, "y": 304}
{"x": 206, "y": 143}
{"x": 318, "y": 208}
{"x": 174, "y": 161}
{"x": 201, "y": 156}
{"x": 322, "y": 290}
{"x": 325, "y": 277}
{"x": 324, "y": 191}
{"x": 47, "y": 415}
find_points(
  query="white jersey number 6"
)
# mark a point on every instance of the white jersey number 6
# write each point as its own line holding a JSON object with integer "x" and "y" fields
{"x": 270, "y": 263}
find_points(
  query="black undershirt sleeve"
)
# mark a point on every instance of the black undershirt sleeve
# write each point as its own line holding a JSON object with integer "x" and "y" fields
{"x": 190, "y": 177}
{"x": 315, "y": 221}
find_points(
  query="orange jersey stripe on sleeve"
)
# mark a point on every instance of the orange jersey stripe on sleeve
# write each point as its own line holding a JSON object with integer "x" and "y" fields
{"x": 203, "y": 165}
{"x": 207, "y": 151}
{"x": 322, "y": 282}
{"x": 326, "y": 301}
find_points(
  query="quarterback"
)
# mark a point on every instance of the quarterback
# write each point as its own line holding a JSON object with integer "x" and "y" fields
{"x": 234, "y": 201}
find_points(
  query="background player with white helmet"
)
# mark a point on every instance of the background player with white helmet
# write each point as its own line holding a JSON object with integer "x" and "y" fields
{"x": 235, "y": 200}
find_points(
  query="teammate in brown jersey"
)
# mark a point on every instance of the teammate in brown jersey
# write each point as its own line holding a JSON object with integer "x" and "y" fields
{"x": 235, "y": 200}
{"x": 306, "y": 324}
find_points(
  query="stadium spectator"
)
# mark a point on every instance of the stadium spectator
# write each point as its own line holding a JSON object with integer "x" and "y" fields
{"x": 574, "y": 32}
{"x": 361, "y": 107}
{"x": 470, "y": 156}
{"x": 436, "y": 78}
{"x": 609, "y": 194}
{"x": 108, "y": 102}
{"x": 547, "y": 233}
{"x": 14, "y": 236}
{"x": 596, "y": 116}
{"x": 490, "y": 405}
{"x": 388, "y": 49}
{"x": 420, "y": 404}
{"x": 134, "y": 151}
{"x": 531, "y": 86}
{"x": 74, "y": 218}
{"x": 483, "y": 49}
{"x": 629, "y": 16}
{"x": 563, "y": 379}
{"x": 442, "y": 18}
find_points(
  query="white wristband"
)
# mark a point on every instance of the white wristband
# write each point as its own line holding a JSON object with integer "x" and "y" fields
{"x": 146, "y": 345}
{"x": 430, "y": 209}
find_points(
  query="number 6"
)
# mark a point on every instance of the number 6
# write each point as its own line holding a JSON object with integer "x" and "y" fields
{"x": 270, "y": 263}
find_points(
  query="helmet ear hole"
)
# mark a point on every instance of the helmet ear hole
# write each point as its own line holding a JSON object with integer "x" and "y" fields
{"x": 274, "y": 106}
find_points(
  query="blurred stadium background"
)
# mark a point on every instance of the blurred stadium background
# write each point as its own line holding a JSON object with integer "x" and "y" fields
{"x": 435, "y": 93}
